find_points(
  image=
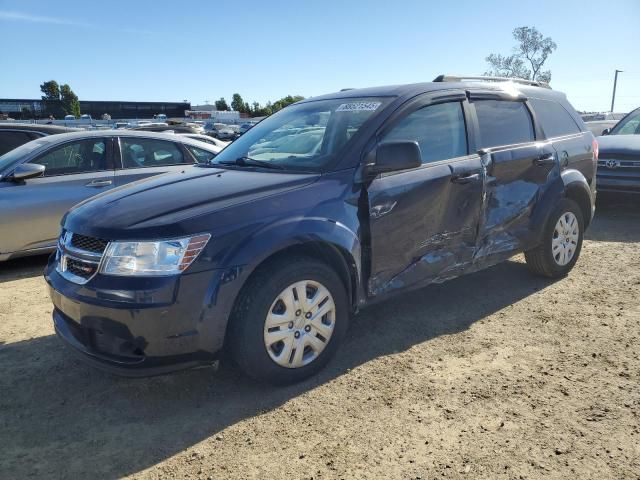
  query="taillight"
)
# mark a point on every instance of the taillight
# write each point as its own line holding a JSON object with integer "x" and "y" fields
{"x": 596, "y": 149}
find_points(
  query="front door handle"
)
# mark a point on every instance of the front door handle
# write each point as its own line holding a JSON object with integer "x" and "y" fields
{"x": 99, "y": 183}
{"x": 463, "y": 178}
{"x": 545, "y": 160}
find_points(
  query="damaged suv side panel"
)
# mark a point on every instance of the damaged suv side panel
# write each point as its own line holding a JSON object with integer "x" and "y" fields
{"x": 462, "y": 214}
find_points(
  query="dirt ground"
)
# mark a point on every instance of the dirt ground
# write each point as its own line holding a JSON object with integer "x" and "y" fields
{"x": 495, "y": 375}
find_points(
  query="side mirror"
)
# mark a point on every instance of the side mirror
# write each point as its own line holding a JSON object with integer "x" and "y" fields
{"x": 396, "y": 155}
{"x": 606, "y": 131}
{"x": 27, "y": 170}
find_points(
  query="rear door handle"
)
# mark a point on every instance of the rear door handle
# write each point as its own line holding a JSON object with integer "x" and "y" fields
{"x": 99, "y": 183}
{"x": 545, "y": 160}
{"x": 463, "y": 178}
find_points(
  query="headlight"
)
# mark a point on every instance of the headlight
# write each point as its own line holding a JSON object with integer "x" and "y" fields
{"x": 164, "y": 257}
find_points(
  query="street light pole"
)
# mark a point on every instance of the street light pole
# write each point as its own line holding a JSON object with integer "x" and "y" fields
{"x": 615, "y": 82}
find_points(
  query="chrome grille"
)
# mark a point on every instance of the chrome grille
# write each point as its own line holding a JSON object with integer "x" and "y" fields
{"x": 79, "y": 256}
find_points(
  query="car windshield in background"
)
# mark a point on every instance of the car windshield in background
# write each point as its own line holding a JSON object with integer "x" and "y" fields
{"x": 17, "y": 153}
{"x": 630, "y": 125}
{"x": 303, "y": 137}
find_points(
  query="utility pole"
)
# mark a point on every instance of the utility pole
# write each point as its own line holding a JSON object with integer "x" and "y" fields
{"x": 615, "y": 82}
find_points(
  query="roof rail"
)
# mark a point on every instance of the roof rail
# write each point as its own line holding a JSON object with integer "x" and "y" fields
{"x": 461, "y": 78}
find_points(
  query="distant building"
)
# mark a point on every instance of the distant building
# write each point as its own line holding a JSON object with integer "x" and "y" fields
{"x": 30, "y": 108}
{"x": 207, "y": 107}
{"x": 222, "y": 116}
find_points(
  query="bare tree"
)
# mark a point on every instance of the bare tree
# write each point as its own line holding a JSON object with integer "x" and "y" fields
{"x": 527, "y": 58}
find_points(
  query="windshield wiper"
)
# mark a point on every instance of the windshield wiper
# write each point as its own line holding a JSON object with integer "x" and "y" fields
{"x": 250, "y": 162}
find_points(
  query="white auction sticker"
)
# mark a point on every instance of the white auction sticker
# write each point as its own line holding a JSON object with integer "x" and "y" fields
{"x": 358, "y": 107}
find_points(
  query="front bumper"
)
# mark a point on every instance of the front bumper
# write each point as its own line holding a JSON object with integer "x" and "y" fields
{"x": 627, "y": 182}
{"x": 140, "y": 326}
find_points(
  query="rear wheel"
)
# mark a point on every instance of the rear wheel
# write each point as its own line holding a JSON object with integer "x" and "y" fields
{"x": 561, "y": 244}
{"x": 289, "y": 320}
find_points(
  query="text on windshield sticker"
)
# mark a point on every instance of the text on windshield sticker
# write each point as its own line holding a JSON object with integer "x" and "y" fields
{"x": 358, "y": 107}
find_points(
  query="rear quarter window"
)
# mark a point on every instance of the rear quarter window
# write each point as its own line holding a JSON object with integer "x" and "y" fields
{"x": 554, "y": 119}
{"x": 503, "y": 122}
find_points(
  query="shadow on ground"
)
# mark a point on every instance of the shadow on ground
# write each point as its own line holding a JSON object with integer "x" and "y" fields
{"x": 60, "y": 418}
{"x": 27, "y": 267}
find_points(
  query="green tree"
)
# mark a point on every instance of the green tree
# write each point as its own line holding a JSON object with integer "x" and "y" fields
{"x": 59, "y": 100}
{"x": 286, "y": 101}
{"x": 237, "y": 104}
{"x": 258, "y": 110}
{"x": 527, "y": 59}
{"x": 51, "y": 98}
{"x": 69, "y": 101}
{"x": 221, "y": 105}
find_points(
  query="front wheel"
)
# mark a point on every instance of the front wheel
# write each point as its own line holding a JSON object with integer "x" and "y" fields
{"x": 561, "y": 244}
{"x": 289, "y": 320}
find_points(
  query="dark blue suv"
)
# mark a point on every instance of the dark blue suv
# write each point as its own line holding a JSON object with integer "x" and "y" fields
{"x": 329, "y": 205}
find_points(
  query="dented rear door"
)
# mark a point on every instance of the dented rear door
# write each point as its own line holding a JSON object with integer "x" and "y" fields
{"x": 519, "y": 167}
{"x": 516, "y": 179}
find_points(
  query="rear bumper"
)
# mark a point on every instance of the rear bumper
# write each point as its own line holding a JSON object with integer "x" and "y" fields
{"x": 140, "y": 327}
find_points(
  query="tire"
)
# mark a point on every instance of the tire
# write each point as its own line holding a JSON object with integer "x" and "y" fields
{"x": 548, "y": 259}
{"x": 268, "y": 297}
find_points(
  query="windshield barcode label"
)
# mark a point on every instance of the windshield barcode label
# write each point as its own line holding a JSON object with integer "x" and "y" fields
{"x": 358, "y": 107}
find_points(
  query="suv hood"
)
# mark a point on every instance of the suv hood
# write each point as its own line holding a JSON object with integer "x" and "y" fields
{"x": 628, "y": 145}
{"x": 158, "y": 205}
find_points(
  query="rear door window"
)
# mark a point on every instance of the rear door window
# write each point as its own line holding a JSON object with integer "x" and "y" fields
{"x": 10, "y": 140}
{"x": 75, "y": 157}
{"x": 439, "y": 130}
{"x": 555, "y": 120}
{"x": 503, "y": 122}
{"x": 149, "y": 152}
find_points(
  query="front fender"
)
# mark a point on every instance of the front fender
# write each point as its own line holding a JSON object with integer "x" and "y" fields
{"x": 240, "y": 259}
{"x": 284, "y": 233}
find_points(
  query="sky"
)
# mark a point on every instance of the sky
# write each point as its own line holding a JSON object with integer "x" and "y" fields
{"x": 161, "y": 50}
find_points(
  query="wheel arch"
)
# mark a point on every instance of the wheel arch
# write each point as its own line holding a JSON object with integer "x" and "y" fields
{"x": 578, "y": 191}
{"x": 333, "y": 255}
{"x": 571, "y": 184}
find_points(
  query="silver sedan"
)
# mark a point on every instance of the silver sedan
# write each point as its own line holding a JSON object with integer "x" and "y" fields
{"x": 42, "y": 179}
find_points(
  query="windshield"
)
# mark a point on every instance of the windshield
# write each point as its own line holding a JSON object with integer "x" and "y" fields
{"x": 17, "y": 153}
{"x": 304, "y": 137}
{"x": 630, "y": 125}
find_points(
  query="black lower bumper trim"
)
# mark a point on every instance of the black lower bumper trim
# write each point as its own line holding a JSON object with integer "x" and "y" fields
{"x": 143, "y": 366}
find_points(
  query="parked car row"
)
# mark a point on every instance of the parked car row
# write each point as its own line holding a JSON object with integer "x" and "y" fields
{"x": 223, "y": 131}
{"x": 42, "y": 179}
{"x": 601, "y": 122}
{"x": 619, "y": 160}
